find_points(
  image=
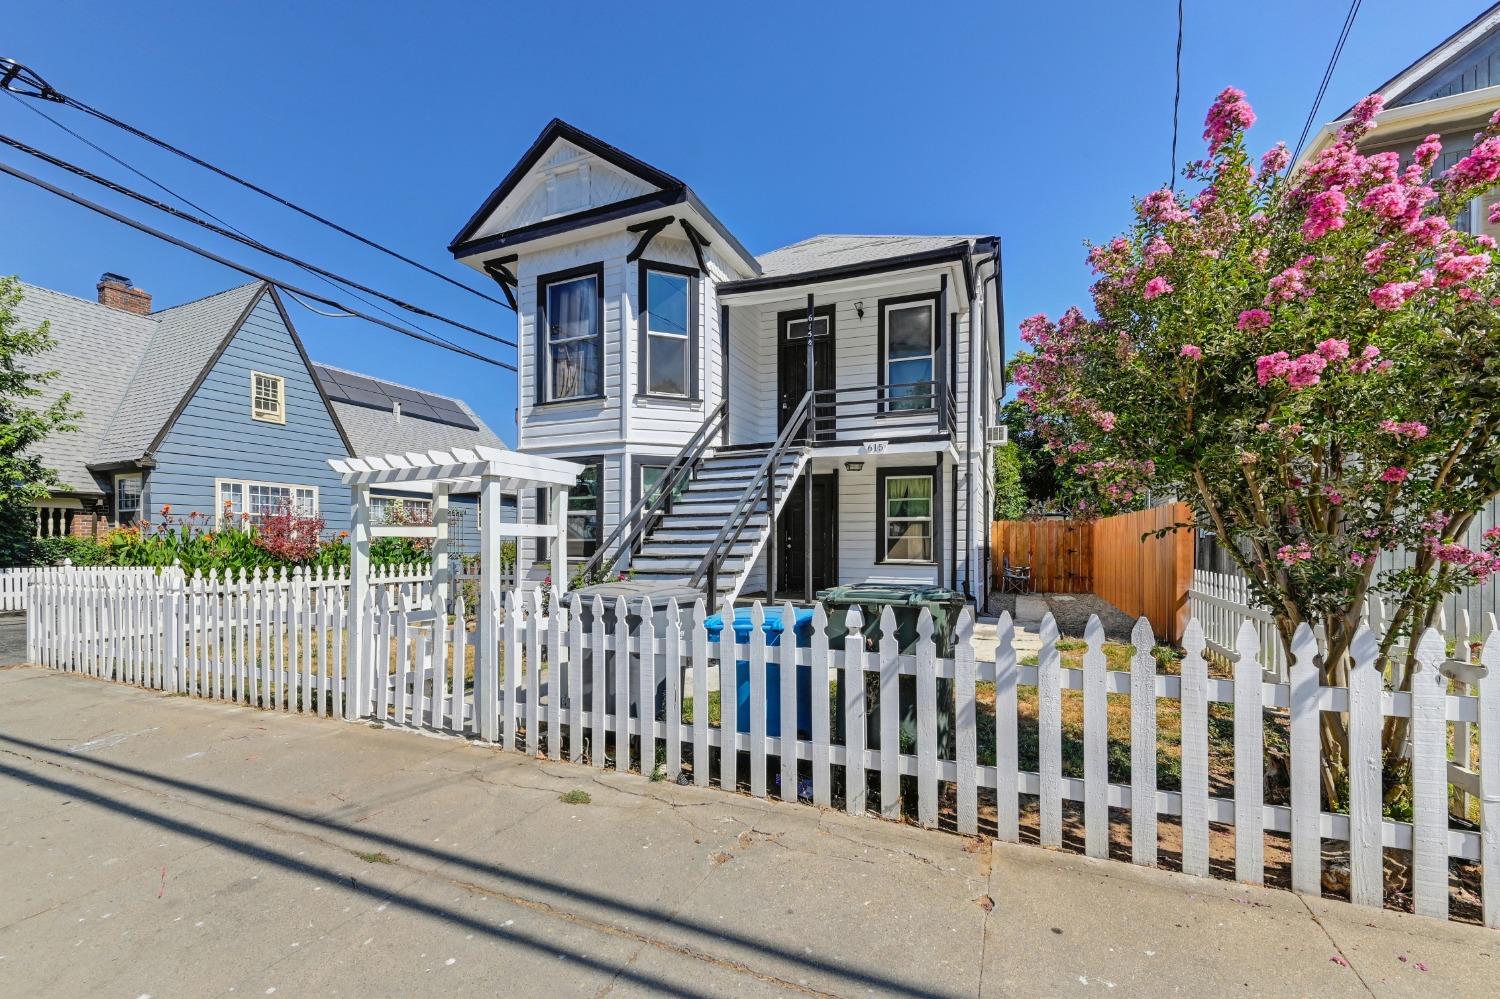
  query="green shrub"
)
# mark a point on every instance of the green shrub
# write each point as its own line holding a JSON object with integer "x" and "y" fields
{"x": 77, "y": 551}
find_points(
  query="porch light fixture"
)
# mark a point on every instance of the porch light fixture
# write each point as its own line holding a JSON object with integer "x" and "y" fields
{"x": 859, "y": 307}
{"x": 853, "y": 466}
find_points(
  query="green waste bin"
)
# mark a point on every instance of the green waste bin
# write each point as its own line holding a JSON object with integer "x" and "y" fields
{"x": 906, "y": 600}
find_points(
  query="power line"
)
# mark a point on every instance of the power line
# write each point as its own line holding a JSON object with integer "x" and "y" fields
{"x": 248, "y": 271}
{"x": 239, "y": 237}
{"x": 1333, "y": 61}
{"x": 17, "y": 77}
{"x": 186, "y": 200}
{"x": 1176, "y": 100}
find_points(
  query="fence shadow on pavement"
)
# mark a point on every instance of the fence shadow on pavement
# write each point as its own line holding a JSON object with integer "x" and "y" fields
{"x": 539, "y": 942}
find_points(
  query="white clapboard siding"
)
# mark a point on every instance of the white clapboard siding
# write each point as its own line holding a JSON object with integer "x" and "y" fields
{"x": 278, "y": 641}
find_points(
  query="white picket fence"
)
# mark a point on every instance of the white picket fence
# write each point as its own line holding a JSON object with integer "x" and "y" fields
{"x": 14, "y": 582}
{"x": 611, "y": 692}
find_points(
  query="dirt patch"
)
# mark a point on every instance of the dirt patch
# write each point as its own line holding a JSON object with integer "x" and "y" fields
{"x": 1072, "y": 611}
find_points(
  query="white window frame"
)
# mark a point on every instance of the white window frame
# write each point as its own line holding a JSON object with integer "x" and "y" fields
{"x": 297, "y": 491}
{"x": 380, "y": 506}
{"x": 140, "y": 495}
{"x": 597, "y": 335}
{"x": 930, "y": 520}
{"x": 891, "y": 404}
{"x": 686, "y": 336}
{"x": 265, "y": 415}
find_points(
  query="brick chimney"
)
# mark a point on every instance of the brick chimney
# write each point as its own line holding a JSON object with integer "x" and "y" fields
{"x": 116, "y": 292}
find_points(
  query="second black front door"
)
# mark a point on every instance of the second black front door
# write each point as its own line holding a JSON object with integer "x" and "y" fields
{"x": 791, "y": 538}
{"x": 791, "y": 358}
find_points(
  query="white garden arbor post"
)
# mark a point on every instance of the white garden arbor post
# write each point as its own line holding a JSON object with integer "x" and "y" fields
{"x": 495, "y": 471}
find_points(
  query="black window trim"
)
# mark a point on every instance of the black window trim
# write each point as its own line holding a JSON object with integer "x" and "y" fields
{"x": 542, "y": 392}
{"x": 884, "y": 472}
{"x": 542, "y": 499}
{"x": 934, "y": 299}
{"x": 695, "y": 332}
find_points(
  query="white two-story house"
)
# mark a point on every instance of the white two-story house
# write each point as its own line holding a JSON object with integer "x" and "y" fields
{"x": 845, "y": 383}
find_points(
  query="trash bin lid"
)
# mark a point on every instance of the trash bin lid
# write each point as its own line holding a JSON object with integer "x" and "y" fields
{"x": 895, "y": 594}
{"x": 773, "y": 625}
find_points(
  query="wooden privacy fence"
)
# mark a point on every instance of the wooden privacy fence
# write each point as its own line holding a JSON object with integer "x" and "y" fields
{"x": 594, "y": 684}
{"x": 1144, "y": 576}
{"x": 1059, "y": 552}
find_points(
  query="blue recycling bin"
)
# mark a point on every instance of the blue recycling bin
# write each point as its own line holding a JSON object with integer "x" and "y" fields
{"x": 773, "y": 627}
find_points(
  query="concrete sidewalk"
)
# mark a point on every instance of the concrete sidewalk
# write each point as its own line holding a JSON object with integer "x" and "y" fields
{"x": 154, "y": 845}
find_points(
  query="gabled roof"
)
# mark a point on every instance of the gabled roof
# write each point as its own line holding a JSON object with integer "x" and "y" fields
{"x": 670, "y": 191}
{"x": 94, "y": 357}
{"x": 188, "y": 338}
{"x": 376, "y": 429}
{"x": 1402, "y": 87}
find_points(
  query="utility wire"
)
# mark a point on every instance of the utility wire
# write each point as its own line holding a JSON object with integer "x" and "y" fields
{"x": 248, "y": 271}
{"x": 227, "y": 175}
{"x": 239, "y": 237}
{"x": 1176, "y": 100}
{"x": 1333, "y": 61}
{"x": 186, "y": 200}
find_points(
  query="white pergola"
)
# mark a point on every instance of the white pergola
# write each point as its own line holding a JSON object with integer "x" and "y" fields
{"x": 494, "y": 471}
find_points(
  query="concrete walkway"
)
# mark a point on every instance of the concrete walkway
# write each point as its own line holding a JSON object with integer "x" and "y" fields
{"x": 162, "y": 846}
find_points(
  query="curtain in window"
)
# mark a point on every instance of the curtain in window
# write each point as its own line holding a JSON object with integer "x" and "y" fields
{"x": 908, "y": 518}
{"x": 572, "y": 326}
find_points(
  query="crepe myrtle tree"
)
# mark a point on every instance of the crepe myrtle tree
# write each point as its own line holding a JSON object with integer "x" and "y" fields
{"x": 1312, "y": 361}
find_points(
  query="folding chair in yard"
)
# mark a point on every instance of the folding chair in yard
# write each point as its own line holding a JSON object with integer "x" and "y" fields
{"x": 1015, "y": 578}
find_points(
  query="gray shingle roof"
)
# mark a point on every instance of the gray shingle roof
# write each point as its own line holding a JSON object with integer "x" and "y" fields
{"x": 94, "y": 357}
{"x": 127, "y": 374}
{"x": 381, "y": 431}
{"x": 186, "y": 339}
{"x": 820, "y": 252}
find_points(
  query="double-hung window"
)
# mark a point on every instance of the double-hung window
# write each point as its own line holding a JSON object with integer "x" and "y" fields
{"x": 906, "y": 517}
{"x": 127, "y": 499}
{"x": 668, "y": 340}
{"x": 908, "y": 349}
{"x": 400, "y": 509}
{"x": 267, "y": 397}
{"x": 572, "y": 338}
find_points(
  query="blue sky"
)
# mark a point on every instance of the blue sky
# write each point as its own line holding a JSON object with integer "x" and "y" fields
{"x": 1036, "y": 124}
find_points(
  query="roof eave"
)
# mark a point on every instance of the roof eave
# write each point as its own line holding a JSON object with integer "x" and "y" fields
{"x": 906, "y": 261}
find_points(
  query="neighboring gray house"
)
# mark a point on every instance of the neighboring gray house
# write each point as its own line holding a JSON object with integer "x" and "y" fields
{"x": 213, "y": 407}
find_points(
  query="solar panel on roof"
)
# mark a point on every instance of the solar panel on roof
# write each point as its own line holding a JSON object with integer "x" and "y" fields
{"x": 359, "y": 390}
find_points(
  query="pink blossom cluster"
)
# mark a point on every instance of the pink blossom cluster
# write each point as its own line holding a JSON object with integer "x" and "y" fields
{"x": 1229, "y": 114}
{"x": 1460, "y": 268}
{"x": 1162, "y": 207}
{"x": 1299, "y": 373}
{"x": 1481, "y": 167}
{"x": 1414, "y": 429}
{"x": 1393, "y": 294}
{"x": 1325, "y": 214}
{"x": 1362, "y": 117}
{"x": 1375, "y": 259}
{"x": 1275, "y": 160}
{"x": 1191, "y": 351}
{"x": 1157, "y": 287}
{"x": 1398, "y": 203}
{"x": 1292, "y": 554}
{"x": 1368, "y": 360}
{"x": 1291, "y": 283}
{"x": 1157, "y": 247}
{"x": 1394, "y": 474}
{"x": 1254, "y": 319}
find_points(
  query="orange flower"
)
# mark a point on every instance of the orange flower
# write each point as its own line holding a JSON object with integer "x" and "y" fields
{"x": 166, "y": 508}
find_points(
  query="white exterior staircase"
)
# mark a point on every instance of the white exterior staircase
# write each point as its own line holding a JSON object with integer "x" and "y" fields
{"x": 673, "y": 548}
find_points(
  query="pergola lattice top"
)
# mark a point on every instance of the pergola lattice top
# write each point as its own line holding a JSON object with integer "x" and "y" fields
{"x": 457, "y": 467}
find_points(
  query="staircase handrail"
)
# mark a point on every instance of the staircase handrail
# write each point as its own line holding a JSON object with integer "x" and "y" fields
{"x": 729, "y": 534}
{"x": 653, "y": 503}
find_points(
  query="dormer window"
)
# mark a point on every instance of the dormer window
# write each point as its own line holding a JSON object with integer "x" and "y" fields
{"x": 570, "y": 316}
{"x": 267, "y": 397}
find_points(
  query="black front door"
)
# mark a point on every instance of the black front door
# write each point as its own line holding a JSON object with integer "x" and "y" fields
{"x": 791, "y": 538}
{"x": 791, "y": 358}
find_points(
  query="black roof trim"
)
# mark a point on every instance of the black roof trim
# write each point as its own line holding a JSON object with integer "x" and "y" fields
{"x": 567, "y": 223}
{"x": 559, "y": 129}
{"x": 958, "y": 251}
{"x": 673, "y": 192}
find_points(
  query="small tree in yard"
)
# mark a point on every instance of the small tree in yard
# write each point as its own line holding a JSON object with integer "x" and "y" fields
{"x": 23, "y": 477}
{"x": 1313, "y": 362}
